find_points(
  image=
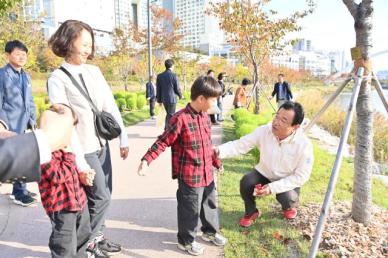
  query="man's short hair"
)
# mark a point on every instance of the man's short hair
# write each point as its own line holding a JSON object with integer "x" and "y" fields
{"x": 209, "y": 72}
{"x": 206, "y": 86}
{"x": 245, "y": 81}
{"x": 168, "y": 63}
{"x": 281, "y": 75}
{"x": 221, "y": 76}
{"x": 61, "y": 42}
{"x": 12, "y": 45}
{"x": 298, "y": 110}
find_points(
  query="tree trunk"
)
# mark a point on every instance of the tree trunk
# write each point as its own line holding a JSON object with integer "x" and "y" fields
{"x": 362, "y": 185}
{"x": 256, "y": 88}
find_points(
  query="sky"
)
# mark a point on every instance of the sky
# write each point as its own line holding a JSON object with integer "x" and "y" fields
{"x": 330, "y": 27}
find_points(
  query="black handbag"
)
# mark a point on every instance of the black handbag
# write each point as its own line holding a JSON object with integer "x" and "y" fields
{"x": 105, "y": 124}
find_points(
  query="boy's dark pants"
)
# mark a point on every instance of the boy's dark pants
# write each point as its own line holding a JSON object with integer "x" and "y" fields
{"x": 288, "y": 199}
{"x": 194, "y": 203}
{"x": 70, "y": 233}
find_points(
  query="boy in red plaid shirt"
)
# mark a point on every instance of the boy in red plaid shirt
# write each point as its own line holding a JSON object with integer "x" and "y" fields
{"x": 64, "y": 198}
{"x": 189, "y": 135}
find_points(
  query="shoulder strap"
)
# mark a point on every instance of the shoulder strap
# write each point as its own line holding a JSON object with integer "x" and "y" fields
{"x": 76, "y": 84}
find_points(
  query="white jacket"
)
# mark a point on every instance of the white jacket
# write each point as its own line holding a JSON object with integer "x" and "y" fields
{"x": 287, "y": 163}
{"x": 62, "y": 90}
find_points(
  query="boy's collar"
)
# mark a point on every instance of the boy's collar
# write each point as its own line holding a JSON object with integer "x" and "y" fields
{"x": 192, "y": 111}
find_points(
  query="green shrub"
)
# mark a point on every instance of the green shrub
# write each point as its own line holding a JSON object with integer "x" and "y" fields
{"x": 141, "y": 102}
{"x": 121, "y": 104}
{"x": 119, "y": 95}
{"x": 131, "y": 100}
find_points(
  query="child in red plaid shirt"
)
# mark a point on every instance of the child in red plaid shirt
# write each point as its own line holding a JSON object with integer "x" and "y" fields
{"x": 189, "y": 135}
{"x": 64, "y": 198}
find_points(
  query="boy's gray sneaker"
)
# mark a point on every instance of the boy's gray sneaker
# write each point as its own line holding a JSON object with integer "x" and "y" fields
{"x": 216, "y": 239}
{"x": 194, "y": 248}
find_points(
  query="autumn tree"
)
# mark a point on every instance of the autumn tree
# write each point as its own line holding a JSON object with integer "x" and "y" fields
{"x": 253, "y": 31}
{"x": 130, "y": 44}
{"x": 362, "y": 199}
{"x": 5, "y": 5}
{"x": 16, "y": 25}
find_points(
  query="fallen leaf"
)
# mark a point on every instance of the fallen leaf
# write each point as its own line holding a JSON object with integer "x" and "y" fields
{"x": 277, "y": 235}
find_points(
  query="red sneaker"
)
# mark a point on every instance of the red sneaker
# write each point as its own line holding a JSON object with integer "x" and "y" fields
{"x": 290, "y": 213}
{"x": 248, "y": 220}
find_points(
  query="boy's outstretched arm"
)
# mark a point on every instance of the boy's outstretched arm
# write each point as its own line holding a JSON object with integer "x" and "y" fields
{"x": 165, "y": 140}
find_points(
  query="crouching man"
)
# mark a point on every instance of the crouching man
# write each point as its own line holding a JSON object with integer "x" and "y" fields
{"x": 286, "y": 161}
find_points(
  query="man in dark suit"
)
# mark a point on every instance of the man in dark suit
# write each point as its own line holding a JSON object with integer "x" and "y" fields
{"x": 167, "y": 88}
{"x": 282, "y": 90}
{"x": 151, "y": 95}
{"x": 21, "y": 155}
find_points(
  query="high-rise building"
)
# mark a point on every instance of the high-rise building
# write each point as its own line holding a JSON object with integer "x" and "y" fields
{"x": 200, "y": 31}
{"x": 99, "y": 14}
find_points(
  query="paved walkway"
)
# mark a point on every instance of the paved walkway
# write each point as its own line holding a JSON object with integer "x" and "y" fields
{"x": 142, "y": 215}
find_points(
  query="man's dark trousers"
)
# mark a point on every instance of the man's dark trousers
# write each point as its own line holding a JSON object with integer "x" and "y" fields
{"x": 170, "y": 110}
{"x": 194, "y": 203}
{"x": 288, "y": 199}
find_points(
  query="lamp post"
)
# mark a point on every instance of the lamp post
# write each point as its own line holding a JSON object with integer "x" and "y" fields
{"x": 149, "y": 41}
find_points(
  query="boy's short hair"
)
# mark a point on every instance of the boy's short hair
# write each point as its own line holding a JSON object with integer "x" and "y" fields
{"x": 206, "y": 86}
{"x": 11, "y": 45}
{"x": 245, "y": 81}
{"x": 168, "y": 63}
{"x": 220, "y": 76}
{"x": 61, "y": 42}
{"x": 281, "y": 75}
{"x": 298, "y": 110}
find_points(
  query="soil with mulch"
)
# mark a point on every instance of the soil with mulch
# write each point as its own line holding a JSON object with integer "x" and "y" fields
{"x": 343, "y": 237}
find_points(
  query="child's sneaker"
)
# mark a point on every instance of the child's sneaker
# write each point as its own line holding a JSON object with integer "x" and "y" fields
{"x": 216, "y": 239}
{"x": 194, "y": 248}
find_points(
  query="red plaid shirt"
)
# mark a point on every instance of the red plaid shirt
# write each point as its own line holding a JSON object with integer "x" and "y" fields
{"x": 189, "y": 135}
{"x": 59, "y": 186}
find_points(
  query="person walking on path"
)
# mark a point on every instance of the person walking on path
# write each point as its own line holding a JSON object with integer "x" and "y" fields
{"x": 167, "y": 88}
{"x": 213, "y": 119}
{"x": 282, "y": 90}
{"x": 74, "y": 41}
{"x": 151, "y": 95}
{"x": 17, "y": 106}
{"x": 220, "y": 117}
{"x": 240, "y": 97}
{"x": 189, "y": 135}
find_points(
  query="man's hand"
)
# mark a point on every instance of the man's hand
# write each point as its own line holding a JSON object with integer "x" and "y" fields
{"x": 269, "y": 97}
{"x": 142, "y": 168}
{"x": 124, "y": 152}
{"x": 264, "y": 191}
{"x": 57, "y": 127}
{"x": 87, "y": 177}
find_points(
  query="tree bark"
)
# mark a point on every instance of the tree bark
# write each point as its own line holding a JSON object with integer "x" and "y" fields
{"x": 362, "y": 184}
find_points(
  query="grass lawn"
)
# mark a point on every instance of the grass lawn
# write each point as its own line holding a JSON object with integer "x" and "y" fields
{"x": 136, "y": 116}
{"x": 259, "y": 240}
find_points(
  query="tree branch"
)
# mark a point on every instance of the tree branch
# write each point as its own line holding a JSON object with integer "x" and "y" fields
{"x": 352, "y": 7}
{"x": 367, "y": 3}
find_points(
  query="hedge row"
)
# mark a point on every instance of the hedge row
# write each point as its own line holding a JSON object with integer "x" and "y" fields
{"x": 130, "y": 100}
{"x": 246, "y": 123}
